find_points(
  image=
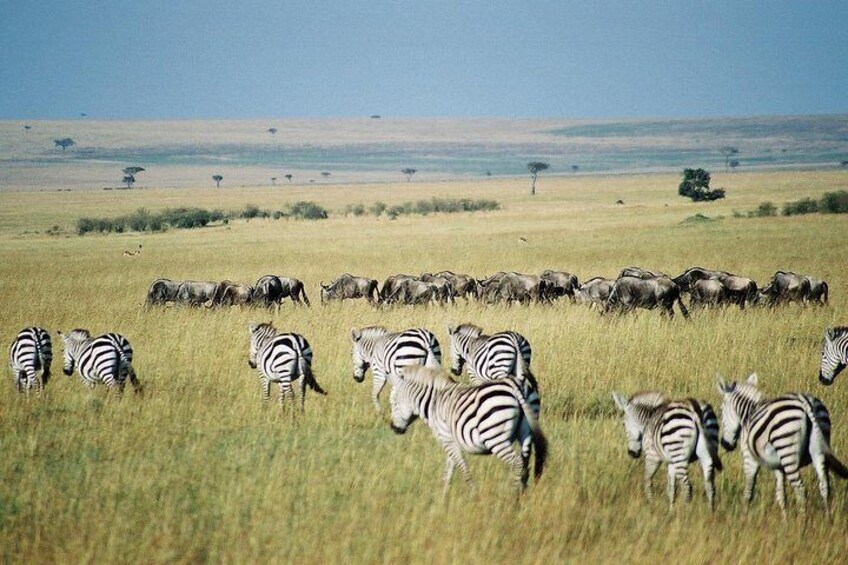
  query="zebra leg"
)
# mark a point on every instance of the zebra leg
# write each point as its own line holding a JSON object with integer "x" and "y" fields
{"x": 794, "y": 476}
{"x": 379, "y": 383}
{"x": 824, "y": 481}
{"x": 516, "y": 462}
{"x": 286, "y": 390}
{"x": 683, "y": 477}
{"x": 709, "y": 481}
{"x": 455, "y": 455}
{"x": 780, "y": 492}
{"x": 136, "y": 386}
{"x": 266, "y": 388}
{"x": 303, "y": 393}
{"x": 672, "y": 484}
{"x": 750, "y": 468}
{"x": 652, "y": 465}
{"x": 450, "y": 465}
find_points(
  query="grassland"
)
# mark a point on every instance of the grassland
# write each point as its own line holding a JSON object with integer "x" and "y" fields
{"x": 199, "y": 470}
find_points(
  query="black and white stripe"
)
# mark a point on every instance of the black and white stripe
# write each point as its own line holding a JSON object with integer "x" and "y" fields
{"x": 783, "y": 434}
{"x": 105, "y": 359}
{"x": 31, "y": 352}
{"x": 834, "y": 355}
{"x": 281, "y": 358}
{"x": 482, "y": 419}
{"x": 384, "y": 352}
{"x": 672, "y": 432}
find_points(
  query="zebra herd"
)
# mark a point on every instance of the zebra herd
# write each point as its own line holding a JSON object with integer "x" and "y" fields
{"x": 501, "y": 405}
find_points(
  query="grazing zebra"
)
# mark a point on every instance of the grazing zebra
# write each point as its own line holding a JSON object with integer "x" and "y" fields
{"x": 834, "y": 355}
{"x": 103, "y": 359}
{"x": 385, "y": 352}
{"x": 31, "y": 352}
{"x": 281, "y": 358}
{"x": 673, "y": 432}
{"x": 477, "y": 419}
{"x": 783, "y": 434}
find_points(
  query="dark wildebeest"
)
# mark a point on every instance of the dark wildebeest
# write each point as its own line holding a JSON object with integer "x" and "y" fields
{"x": 560, "y": 284}
{"x": 785, "y": 287}
{"x": 488, "y": 289}
{"x": 446, "y": 289}
{"x": 709, "y": 292}
{"x": 231, "y": 293}
{"x": 463, "y": 285}
{"x": 348, "y": 286}
{"x": 740, "y": 290}
{"x": 162, "y": 291}
{"x": 415, "y": 292}
{"x": 632, "y": 292}
{"x": 524, "y": 289}
{"x": 640, "y": 273}
{"x": 195, "y": 293}
{"x": 294, "y": 289}
{"x": 268, "y": 291}
{"x": 595, "y": 291}
{"x": 685, "y": 281}
{"x": 818, "y": 291}
{"x": 392, "y": 284}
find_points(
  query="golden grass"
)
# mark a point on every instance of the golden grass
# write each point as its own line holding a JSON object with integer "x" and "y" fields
{"x": 200, "y": 470}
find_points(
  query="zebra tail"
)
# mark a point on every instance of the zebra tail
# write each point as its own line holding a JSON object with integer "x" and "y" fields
{"x": 835, "y": 465}
{"x": 306, "y": 371}
{"x": 523, "y": 374}
{"x": 824, "y": 292}
{"x": 707, "y": 423}
{"x": 540, "y": 442}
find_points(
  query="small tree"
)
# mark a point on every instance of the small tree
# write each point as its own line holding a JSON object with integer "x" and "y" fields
{"x": 64, "y": 143}
{"x": 129, "y": 180}
{"x": 535, "y": 167}
{"x": 733, "y": 164}
{"x": 574, "y": 168}
{"x": 728, "y": 151}
{"x": 409, "y": 172}
{"x": 129, "y": 175}
{"x": 272, "y": 131}
{"x": 217, "y": 179}
{"x": 27, "y": 128}
{"x": 844, "y": 162}
{"x": 696, "y": 185}
{"x": 325, "y": 174}
{"x": 274, "y": 181}
{"x": 288, "y": 177}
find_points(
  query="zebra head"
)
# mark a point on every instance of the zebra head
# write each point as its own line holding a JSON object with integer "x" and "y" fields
{"x": 360, "y": 355}
{"x": 259, "y": 335}
{"x": 403, "y": 409}
{"x": 736, "y": 404}
{"x": 834, "y": 354}
{"x": 635, "y": 411}
{"x": 460, "y": 338}
{"x": 72, "y": 343}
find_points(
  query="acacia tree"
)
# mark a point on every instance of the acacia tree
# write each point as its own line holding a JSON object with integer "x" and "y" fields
{"x": 728, "y": 151}
{"x": 64, "y": 143}
{"x": 535, "y": 167}
{"x": 274, "y": 181}
{"x": 217, "y": 179}
{"x": 288, "y": 177}
{"x": 409, "y": 172}
{"x": 27, "y": 128}
{"x": 733, "y": 164}
{"x": 696, "y": 185}
{"x": 272, "y": 131}
{"x": 129, "y": 175}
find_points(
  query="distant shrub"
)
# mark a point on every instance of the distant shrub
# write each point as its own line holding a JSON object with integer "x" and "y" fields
{"x": 803, "y": 206}
{"x": 250, "y": 211}
{"x": 394, "y": 211}
{"x": 426, "y": 207}
{"x": 764, "y": 210}
{"x": 834, "y": 202}
{"x": 355, "y": 210}
{"x": 378, "y": 208}
{"x": 307, "y": 211}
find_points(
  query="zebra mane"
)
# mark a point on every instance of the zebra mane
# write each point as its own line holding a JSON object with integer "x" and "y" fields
{"x": 371, "y": 332}
{"x": 260, "y": 328}
{"x": 647, "y": 399}
{"x": 79, "y": 333}
{"x": 427, "y": 376}
{"x": 838, "y": 331}
{"x": 476, "y": 331}
{"x": 748, "y": 392}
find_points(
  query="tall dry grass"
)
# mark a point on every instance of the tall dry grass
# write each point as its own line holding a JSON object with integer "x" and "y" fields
{"x": 199, "y": 470}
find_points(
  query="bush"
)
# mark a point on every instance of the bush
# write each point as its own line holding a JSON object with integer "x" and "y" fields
{"x": 834, "y": 202}
{"x": 307, "y": 211}
{"x": 764, "y": 210}
{"x": 378, "y": 208}
{"x": 803, "y": 206}
{"x": 696, "y": 185}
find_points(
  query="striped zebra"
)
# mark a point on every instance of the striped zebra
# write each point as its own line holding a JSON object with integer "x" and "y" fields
{"x": 477, "y": 419}
{"x": 105, "y": 359}
{"x": 783, "y": 434}
{"x": 385, "y": 352}
{"x": 672, "y": 432}
{"x": 31, "y": 352}
{"x": 834, "y": 355}
{"x": 281, "y": 358}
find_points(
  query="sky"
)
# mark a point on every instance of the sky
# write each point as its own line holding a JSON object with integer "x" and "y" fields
{"x": 205, "y": 59}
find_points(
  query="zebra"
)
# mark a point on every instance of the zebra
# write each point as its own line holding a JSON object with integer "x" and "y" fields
{"x": 673, "y": 432}
{"x": 834, "y": 354}
{"x": 103, "y": 359}
{"x": 281, "y": 358}
{"x": 783, "y": 434}
{"x": 385, "y": 352}
{"x": 31, "y": 352}
{"x": 478, "y": 419}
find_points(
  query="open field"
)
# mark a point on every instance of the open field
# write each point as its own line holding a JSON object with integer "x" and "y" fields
{"x": 361, "y": 150}
{"x": 199, "y": 470}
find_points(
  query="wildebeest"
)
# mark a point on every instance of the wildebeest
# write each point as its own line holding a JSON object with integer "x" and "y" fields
{"x": 294, "y": 289}
{"x": 463, "y": 285}
{"x": 513, "y": 287}
{"x": 348, "y": 286}
{"x": 446, "y": 291}
{"x": 560, "y": 283}
{"x": 740, "y": 290}
{"x": 785, "y": 287}
{"x": 708, "y": 292}
{"x": 818, "y": 291}
{"x": 594, "y": 291}
{"x": 268, "y": 291}
{"x": 162, "y": 291}
{"x": 685, "y": 280}
{"x": 195, "y": 293}
{"x": 229, "y": 293}
{"x": 640, "y": 273}
{"x": 632, "y": 292}
{"x": 392, "y": 284}
{"x": 415, "y": 292}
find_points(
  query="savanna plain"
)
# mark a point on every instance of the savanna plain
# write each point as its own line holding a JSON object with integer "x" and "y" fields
{"x": 199, "y": 469}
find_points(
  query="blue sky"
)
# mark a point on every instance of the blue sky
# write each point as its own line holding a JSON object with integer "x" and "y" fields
{"x": 524, "y": 58}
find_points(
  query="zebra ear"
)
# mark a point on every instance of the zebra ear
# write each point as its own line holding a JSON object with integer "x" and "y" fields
{"x": 620, "y": 400}
{"x": 451, "y": 330}
{"x": 252, "y": 327}
{"x": 830, "y": 334}
{"x": 355, "y": 335}
{"x": 724, "y": 387}
{"x": 752, "y": 379}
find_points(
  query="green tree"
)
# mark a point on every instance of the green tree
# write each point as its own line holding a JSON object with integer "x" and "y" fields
{"x": 696, "y": 185}
{"x": 409, "y": 172}
{"x": 728, "y": 151}
{"x": 535, "y": 167}
{"x": 217, "y": 179}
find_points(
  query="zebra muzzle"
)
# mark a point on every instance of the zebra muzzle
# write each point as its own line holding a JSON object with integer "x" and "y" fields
{"x": 727, "y": 445}
{"x": 633, "y": 454}
{"x": 399, "y": 431}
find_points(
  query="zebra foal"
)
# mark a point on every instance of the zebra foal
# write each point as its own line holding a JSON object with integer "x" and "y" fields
{"x": 105, "y": 359}
{"x": 783, "y": 434}
{"x": 31, "y": 352}
{"x": 480, "y": 420}
{"x": 672, "y": 432}
{"x": 834, "y": 354}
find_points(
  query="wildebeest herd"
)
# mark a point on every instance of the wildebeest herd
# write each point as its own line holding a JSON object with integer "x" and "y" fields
{"x": 501, "y": 404}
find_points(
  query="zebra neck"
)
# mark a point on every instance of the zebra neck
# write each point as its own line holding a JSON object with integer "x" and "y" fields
{"x": 645, "y": 414}
{"x": 747, "y": 408}
{"x": 475, "y": 343}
